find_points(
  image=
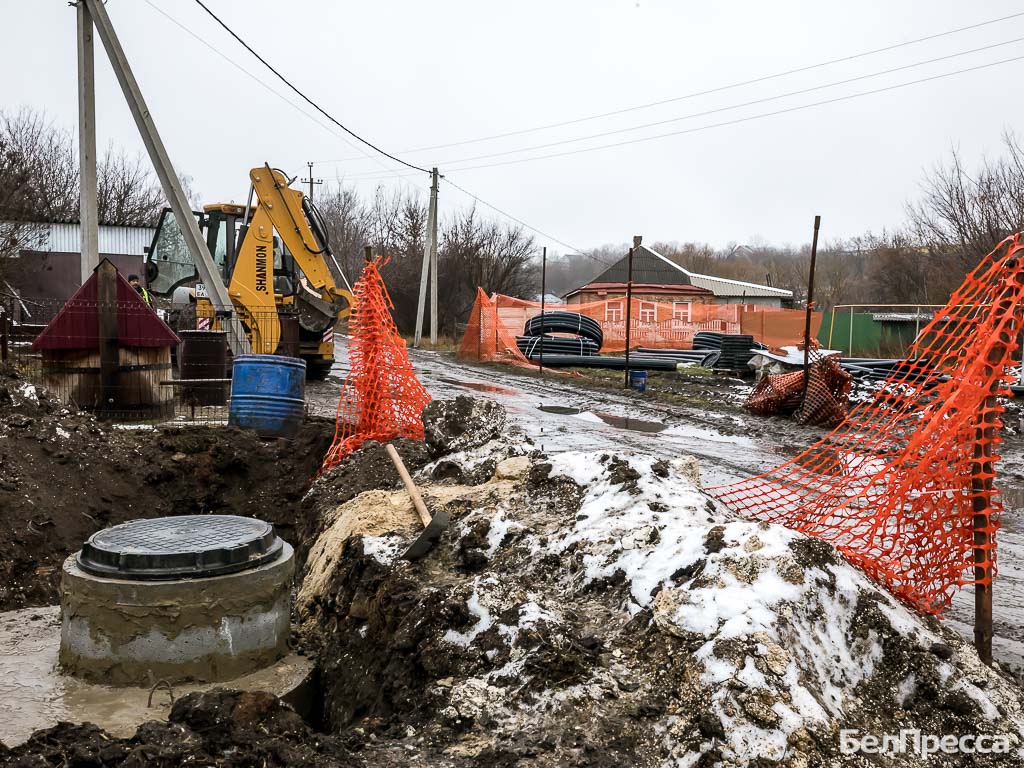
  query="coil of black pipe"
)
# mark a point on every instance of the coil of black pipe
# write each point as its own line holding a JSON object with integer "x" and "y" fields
{"x": 565, "y": 322}
{"x": 532, "y": 346}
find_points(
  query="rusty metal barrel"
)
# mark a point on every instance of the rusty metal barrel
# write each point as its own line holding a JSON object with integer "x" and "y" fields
{"x": 203, "y": 355}
{"x": 289, "y": 345}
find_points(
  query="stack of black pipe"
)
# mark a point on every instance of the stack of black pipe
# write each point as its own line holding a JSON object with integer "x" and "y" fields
{"x": 582, "y": 349}
{"x": 912, "y": 372}
{"x": 734, "y": 348}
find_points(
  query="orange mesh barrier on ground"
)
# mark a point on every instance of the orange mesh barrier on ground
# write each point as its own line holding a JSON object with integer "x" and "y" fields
{"x": 824, "y": 400}
{"x": 382, "y": 399}
{"x": 653, "y": 324}
{"x": 905, "y": 484}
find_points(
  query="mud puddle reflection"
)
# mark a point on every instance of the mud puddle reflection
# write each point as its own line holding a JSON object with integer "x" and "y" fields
{"x": 619, "y": 422}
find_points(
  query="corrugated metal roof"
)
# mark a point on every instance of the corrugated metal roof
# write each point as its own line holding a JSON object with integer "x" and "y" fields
{"x": 122, "y": 241}
{"x": 721, "y": 286}
{"x": 58, "y": 237}
{"x": 649, "y": 266}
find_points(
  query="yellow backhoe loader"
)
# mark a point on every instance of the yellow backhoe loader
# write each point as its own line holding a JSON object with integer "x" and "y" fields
{"x": 273, "y": 255}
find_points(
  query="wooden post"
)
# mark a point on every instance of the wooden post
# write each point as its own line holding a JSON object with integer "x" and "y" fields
{"x": 543, "y": 291}
{"x": 106, "y": 299}
{"x": 810, "y": 304}
{"x": 5, "y": 325}
{"x": 629, "y": 307}
{"x": 981, "y": 491}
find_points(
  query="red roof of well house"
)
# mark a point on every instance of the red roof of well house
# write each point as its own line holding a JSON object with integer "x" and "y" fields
{"x": 76, "y": 326}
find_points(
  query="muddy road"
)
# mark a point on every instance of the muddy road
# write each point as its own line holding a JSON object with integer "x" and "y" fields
{"x": 563, "y": 413}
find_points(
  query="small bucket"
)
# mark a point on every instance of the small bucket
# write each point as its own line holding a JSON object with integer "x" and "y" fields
{"x": 638, "y": 380}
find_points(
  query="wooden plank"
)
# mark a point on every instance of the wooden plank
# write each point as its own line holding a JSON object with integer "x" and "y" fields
{"x": 106, "y": 317}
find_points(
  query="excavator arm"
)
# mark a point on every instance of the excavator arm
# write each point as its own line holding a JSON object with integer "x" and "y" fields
{"x": 293, "y": 219}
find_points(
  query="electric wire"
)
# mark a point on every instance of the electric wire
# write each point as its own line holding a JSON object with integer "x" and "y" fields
{"x": 451, "y": 162}
{"x": 708, "y": 91}
{"x": 748, "y": 118}
{"x": 327, "y": 127}
{"x": 731, "y": 107}
{"x": 522, "y": 223}
{"x": 304, "y": 97}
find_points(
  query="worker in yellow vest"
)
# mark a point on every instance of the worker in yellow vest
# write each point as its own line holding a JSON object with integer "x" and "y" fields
{"x": 136, "y": 283}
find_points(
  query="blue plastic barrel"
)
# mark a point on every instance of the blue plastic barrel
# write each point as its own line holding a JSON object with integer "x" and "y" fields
{"x": 268, "y": 394}
{"x": 638, "y": 380}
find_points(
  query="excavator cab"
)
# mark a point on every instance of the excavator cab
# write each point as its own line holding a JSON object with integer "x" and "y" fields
{"x": 272, "y": 257}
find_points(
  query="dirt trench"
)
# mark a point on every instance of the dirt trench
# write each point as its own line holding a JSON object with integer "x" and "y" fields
{"x": 64, "y": 476}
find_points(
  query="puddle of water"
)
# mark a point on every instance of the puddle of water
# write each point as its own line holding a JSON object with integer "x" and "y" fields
{"x": 619, "y": 422}
{"x": 627, "y": 422}
{"x": 37, "y": 695}
{"x": 702, "y": 433}
{"x": 478, "y": 387}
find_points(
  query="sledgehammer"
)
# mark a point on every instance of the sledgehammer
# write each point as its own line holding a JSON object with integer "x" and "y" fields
{"x": 433, "y": 526}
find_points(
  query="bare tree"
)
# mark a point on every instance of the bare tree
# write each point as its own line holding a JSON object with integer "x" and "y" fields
{"x": 476, "y": 253}
{"x": 962, "y": 216}
{"x": 127, "y": 192}
{"x": 45, "y": 155}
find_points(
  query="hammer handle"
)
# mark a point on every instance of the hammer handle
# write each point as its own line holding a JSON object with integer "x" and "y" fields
{"x": 410, "y": 486}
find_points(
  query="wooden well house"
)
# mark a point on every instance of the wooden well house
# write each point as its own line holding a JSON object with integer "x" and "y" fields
{"x": 107, "y": 351}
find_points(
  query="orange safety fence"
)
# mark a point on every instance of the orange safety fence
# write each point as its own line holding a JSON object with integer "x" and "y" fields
{"x": 904, "y": 487}
{"x": 382, "y": 399}
{"x": 486, "y": 339}
{"x": 494, "y": 323}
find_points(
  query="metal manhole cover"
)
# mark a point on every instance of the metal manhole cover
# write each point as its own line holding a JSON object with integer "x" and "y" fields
{"x": 180, "y": 547}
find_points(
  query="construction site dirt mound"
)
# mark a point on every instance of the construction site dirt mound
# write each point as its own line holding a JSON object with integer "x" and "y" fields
{"x": 461, "y": 424}
{"x": 221, "y": 728}
{"x": 601, "y": 610}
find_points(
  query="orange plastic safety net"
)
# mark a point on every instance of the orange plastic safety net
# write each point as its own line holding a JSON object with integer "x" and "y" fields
{"x": 819, "y": 396}
{"x": 495, "y": 322}
{"x": 905, "y": 486}
{"x": 382, "y": 399}
{"x": 487, "y": 339}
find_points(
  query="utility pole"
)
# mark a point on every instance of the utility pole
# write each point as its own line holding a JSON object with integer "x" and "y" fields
{"x": 88, "y": 216}
{"x": 311, "y": 181}
{"x": 543, "y": 295}
{"x": 429, "y": 265}
{"x": 208, "y": 270}
{"x": 432, "y": 223}
{"x": 629, "y": 302}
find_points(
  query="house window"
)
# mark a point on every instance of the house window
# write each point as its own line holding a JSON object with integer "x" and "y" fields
{"x": 681, "y": 311}
{"x": 613, "y": 312}
{"x": 648, "y": 312}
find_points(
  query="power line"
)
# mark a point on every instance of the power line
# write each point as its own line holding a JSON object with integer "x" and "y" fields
{"x": 708, "y": 91}
{"x": 327, "y": 127}
{"x": 308, "y": 100}
{"x": 748, "y": 118}
{"x": 401, "y": 177}
{"x": 507, "y": 215}
{"x": 718, "y": 110}
{"x": 737, "y": 106}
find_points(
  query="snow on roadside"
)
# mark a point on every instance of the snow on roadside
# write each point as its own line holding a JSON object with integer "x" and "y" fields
{"x": 786, "y": 631}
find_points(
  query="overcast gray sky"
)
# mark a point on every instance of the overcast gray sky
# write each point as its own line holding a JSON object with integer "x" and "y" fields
{"x": 411, "y": 74}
